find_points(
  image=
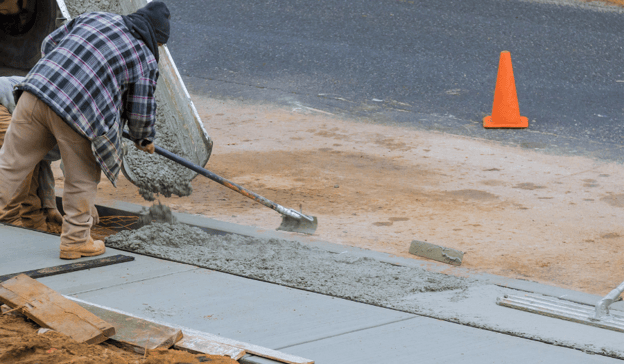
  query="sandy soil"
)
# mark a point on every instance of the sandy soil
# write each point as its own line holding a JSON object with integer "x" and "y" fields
{"x": 610, "y": 2}
{"x": 514, "y": 212}
{"x": 20, "y": 343}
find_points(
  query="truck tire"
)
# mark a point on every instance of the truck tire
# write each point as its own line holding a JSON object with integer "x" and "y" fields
{"x": 23, "y": 50}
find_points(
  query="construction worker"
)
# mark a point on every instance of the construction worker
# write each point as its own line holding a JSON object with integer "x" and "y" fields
{"x": 97, "y": 73}
{"x": 34, "y": 203}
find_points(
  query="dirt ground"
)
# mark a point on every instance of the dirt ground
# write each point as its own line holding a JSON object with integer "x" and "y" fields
{"x": 20, "y": 343}
{"x": 514, "y": 212}
{"x": 610, "y": 2}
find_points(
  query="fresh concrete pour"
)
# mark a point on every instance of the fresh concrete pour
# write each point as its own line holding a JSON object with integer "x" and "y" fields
{"x": 158, "y": 213}
{"x": 288, "y": 263}
{"x": 158, "y": 174}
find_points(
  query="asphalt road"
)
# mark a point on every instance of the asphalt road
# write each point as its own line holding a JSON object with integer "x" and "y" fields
{"x": 428, "y": 64}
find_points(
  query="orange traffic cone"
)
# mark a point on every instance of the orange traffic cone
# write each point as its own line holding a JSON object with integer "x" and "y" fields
{"x": 506, "y": 111}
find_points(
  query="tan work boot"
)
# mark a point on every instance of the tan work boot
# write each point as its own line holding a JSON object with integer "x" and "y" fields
{"x": 88, "y": 249}
{"x": 35, "y": 222}
{"x": 41, "y": 227}
{"x": 34, "y": 219}
{"x": 21, "y": 223}
{"x": 53, "y": 216}
{"x": 17, "y": 222}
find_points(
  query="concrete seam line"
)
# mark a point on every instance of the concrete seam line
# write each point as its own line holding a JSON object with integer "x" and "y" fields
{"x": 139, "y": 280}
{"x": 349, "y": 332}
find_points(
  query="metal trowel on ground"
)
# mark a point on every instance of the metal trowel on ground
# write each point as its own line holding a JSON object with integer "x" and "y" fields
{"x": 555, "y": 307}
{"x": 292, "y": 220}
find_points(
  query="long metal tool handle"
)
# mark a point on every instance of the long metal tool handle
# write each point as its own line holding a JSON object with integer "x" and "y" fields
{"x": 602, "y": 306}
{"x": 229, "y": 184}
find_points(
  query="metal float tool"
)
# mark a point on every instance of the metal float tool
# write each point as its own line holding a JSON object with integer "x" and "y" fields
{"x": 292, "y": 220}
{"x": 598, "y": 316}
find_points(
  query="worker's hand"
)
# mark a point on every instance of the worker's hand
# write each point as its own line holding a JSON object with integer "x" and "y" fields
{"x": 149, "y": 148}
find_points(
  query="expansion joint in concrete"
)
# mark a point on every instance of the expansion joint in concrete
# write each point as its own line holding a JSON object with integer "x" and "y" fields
{"x": 348, "y": 332}
{"x": 134, "y": 281}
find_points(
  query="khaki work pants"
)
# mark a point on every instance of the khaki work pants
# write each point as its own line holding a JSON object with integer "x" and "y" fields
{"x": 33, "y": 132}
{"x": 34, "y": 195}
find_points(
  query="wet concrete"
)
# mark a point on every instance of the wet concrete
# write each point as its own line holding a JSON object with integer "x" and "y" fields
{"x": 158, "y": 213}
{"x": 159, "y": 175}
{"x": 288, "y": 263}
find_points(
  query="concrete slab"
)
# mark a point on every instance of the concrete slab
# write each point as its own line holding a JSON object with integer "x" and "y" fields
{"x": 301, "y": 323}
{"x": 17, "y": 244}
{"x": 423, "y": 340}
{"x": 238, "y": 308}
{"x": 326, "y": 329}
{"x": 24, "y": 250}
{"x": 476, "y": 307}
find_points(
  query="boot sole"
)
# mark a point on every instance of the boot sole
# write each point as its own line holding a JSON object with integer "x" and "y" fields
{"x": 76, "y": 255}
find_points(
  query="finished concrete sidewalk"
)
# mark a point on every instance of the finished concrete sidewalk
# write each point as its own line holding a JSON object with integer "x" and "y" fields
{"x": 310, "y": 325}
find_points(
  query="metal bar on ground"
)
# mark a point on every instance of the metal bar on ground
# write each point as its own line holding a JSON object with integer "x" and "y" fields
{"x": 73, "y": 267}
{"x": 561, "y": 309}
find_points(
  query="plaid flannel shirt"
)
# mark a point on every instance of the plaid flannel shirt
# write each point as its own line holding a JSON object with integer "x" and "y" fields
{"x": 94, "y": 74}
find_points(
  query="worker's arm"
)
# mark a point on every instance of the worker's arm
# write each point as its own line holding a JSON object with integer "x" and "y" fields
{"x": 6, "y": 91}
{"x": 140, "y": 111}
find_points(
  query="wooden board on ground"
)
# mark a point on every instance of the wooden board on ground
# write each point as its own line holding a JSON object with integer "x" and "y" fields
{"x": 51, "y": 310}
{"x": 134, "y": 333}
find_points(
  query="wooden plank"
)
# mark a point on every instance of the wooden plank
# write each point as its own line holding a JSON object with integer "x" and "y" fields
{"x": 197, "y": 344}
{"x": 51, "y": 310}
{"x": 135, "y": 333}
{"x": 73, "y": 267}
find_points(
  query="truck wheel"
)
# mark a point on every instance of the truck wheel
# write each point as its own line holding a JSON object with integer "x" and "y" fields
{"x": 20, "y": 47}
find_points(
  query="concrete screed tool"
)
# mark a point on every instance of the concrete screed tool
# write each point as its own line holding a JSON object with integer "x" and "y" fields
{"x": 292, "y": 220}
{"x": 570, "y": 311}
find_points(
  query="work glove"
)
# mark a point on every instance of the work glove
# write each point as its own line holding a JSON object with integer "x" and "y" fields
{"x": 147, "y": 148}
